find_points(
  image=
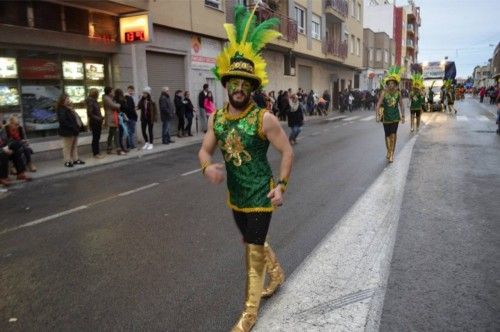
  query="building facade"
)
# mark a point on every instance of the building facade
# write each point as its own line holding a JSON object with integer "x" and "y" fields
{"x": 401, "y": 24}
{"x": 47, "y": 47}
{"x": 378, "y": 56}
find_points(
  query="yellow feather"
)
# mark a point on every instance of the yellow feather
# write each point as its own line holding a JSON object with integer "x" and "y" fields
{"x": 231, "y": 32}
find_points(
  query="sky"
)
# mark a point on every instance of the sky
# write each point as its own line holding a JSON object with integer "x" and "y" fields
{"x": 467, "y": 31}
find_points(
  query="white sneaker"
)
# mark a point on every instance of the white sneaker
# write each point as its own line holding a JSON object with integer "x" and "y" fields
{"x": 150, "y": 147}
{"x": 145, "y": 146}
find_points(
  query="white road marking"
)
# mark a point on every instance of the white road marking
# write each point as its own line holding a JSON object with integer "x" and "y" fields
{"x": 368, "y": 118}
{"x": 462, "y": 118}
{"x": 483, "y": 118}
{"x": 341, "y": 284}
{"x": 138, "y": 189}
{"x": 352, "y": 118}
{"x": 44, "y": 219}
{"x": 336, "y": 118}
{"x": 191, "y": 172}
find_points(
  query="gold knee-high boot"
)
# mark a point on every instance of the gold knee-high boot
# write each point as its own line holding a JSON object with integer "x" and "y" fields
{"x": 256, "y": 269}
{"x": 274, "y": 270}
{"x": 418, "y": 121}
{"x": 388, "y": 146}
{"x": 412, "y": 119}
{"x": 393, "y": 147}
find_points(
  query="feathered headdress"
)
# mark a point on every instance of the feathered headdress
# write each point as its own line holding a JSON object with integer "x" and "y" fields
{"x": 241, "y": 56}
{"x": 447, "y": 84}
{"x": 417, "y": 81}
{"x": 393, "y": 74}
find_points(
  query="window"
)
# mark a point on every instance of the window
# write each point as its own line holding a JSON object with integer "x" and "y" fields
{"x": 47, "y": 15}
{"x": 316, "y": 27}
{"x": 14, "y": 12}
{"x": 300, "y": 17}
{"x": 213, "y": 3}
{"x": 358, "y": 46}
{"x": 358, "y": 13}
{"x": 378, "y": 55}
{"x": 393, "y": 60}
{"x": 386, "y": 56}
{"x": 76, "y": 20}
{"x": 351, "y": 45}
{"x": 353, "y": 14}
{"x": 370, "y": 54}
{"x": 289, "y": 62}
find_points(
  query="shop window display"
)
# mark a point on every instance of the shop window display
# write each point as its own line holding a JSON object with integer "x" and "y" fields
{"x": 39, "y": 103}
{"x": 8, "y": 68}
{"x": 72, "y": 70}
{"x": 94, "y": 71}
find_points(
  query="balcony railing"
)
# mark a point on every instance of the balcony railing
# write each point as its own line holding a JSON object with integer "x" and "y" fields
{"x": 337, "y": 48}
{"x": 287, "y": 26}
{"x": 410, "y": 28}
{"x": 340, "y": 6}
{"x": 409, "y": 43}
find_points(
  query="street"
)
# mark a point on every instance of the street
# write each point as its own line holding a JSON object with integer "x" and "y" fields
{"x": 149, "y": 245}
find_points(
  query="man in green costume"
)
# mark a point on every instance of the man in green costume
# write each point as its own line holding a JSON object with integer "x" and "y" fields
{"x": 243, "y": 132}
{"x": 392, "y": 112}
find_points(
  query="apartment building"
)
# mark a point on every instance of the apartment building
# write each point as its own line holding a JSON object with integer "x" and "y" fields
{"x": 378, "y": 56}
{"x": 401, "y": 24}
{"x": 321, "y": 47}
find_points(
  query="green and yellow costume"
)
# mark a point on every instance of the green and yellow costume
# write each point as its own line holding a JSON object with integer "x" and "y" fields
{"x": 391, "y": 107}
{"x": 244, "y": 146}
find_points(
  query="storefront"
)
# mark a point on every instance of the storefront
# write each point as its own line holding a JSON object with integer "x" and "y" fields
{"x": 31, "y": 81}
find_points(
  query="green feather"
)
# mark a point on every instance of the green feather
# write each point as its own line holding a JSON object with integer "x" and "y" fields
{"x": 215, "y": 71}
{"x": 262, "y": 34}
{"x": 242, "y": 15}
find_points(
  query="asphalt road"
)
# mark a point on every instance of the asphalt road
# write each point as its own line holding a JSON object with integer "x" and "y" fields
{"x": 150, "y": 245}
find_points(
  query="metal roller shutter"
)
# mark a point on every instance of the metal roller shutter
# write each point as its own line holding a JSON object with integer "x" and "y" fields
{"x": 305, "y": 78}
{"x": 165, "y": 70}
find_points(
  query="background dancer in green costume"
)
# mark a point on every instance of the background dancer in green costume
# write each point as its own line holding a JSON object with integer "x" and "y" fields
{"x": 243, "y": 132}
{"x": 391, "y": 105}
{"x": 417, "y": 101}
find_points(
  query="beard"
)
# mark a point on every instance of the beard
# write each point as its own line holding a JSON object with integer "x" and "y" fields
{"x": 239, "y": 104}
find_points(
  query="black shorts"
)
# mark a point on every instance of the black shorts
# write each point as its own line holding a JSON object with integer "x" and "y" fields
{"x": 417, "y": 112}
{"x": 390, "y": 128}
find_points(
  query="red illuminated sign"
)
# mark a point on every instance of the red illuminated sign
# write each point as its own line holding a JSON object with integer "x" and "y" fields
{"x": 132, "y": 36}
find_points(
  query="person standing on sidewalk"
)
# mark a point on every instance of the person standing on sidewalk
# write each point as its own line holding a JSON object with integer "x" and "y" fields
{"x": 166, "y": 115}
{"x": 122, "y": 121}
{"x": 201, "y": 107}
{"x": 417, "y": 101}
{"x": 391, "y": 111}
{"x": 209, "y": 104}
{"x": 132, "y": 116}
{"x": 95, "y": 121}
{"x": 69, "y": 129}
{"x": 243, "y": 132}
{"x": 188, "y": 113}
{"x": 111, "y": 110}
{"x": 179, "y": 111}
{"x": 148, "y": 117}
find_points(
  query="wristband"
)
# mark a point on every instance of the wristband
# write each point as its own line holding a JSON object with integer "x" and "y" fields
{"x": 283, "y": 183}
{"x": 204, "y": 166}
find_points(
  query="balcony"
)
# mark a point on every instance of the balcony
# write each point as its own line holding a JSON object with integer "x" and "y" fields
{"x": 337, "y": 8}
{"x": 410, "y": 43}
{"x": 336, "y": 48}
{"x": 287, "y": 26}
{"x": 410, "y": 28}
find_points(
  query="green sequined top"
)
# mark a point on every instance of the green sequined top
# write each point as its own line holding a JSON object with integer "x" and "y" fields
{"x": 417, "y": 100}
{"x": 244, "y": 147}
{"x": 391, "y": 107}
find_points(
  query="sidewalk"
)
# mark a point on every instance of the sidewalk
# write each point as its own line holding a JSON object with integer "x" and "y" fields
{"x": 55, "y": 166}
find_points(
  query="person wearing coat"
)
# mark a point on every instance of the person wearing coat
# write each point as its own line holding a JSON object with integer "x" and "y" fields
{"x": 15, "y": 133}
{"x": 188, "y": 113}
{"x": 111, "y": 109}
{"x": 166, "y": 115}
{"x": 295, "y": 116}
{"x": 95, "y": 121}
{"x": 148, "y": 117}
{"x": 179, "y": 111}
{"x": 69, "y": 129}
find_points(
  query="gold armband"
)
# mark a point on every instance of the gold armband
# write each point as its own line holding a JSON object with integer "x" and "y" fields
{"x": 283, "y": 183}
{"x": 204, "y": 166}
